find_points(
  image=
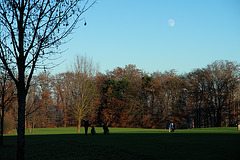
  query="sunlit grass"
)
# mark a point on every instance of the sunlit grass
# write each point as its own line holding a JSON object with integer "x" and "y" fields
{"x": 99, "y": 130}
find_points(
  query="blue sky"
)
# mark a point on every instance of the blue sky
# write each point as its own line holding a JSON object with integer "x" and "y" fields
{"x": 122, "y": 32}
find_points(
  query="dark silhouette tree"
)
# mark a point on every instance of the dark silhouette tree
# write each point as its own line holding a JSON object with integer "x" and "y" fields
{"x": 30, "y": 30}
{"x": 212, "y": 93}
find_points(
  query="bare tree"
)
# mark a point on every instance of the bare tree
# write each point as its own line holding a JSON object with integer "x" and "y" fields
{"x": 7, "y": 96}
{"x": 82, "y": 88}
{"x": 29, "y": 31}
{"x": 223, "y": 77}
{"x": 60, "y": 93}
{"x": 212, "y": 92}
{"x": 33, "y": 104}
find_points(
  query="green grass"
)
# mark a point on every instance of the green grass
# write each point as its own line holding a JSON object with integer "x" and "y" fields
{"x": 127, "y": 143}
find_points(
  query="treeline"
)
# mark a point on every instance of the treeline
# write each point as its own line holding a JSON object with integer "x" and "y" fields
{"x": 129, "y": 97}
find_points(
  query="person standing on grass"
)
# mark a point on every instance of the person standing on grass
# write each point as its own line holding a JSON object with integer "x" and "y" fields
{"x": 93, "y": 131}
{"x": 86, "y": 125}
{"x": 105, "y": 128}
{"x": 171, "y": 127}
{"x": 104, "y": 125}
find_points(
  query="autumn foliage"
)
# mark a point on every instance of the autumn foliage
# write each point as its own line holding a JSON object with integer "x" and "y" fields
{"x": 129, "y": 97}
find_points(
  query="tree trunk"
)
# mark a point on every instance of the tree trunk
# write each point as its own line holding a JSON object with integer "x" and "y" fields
{"x": 210, "y": 118}
{"x": 2, "y": 120}
{"x": 21, "y": 124}
{"x": 21, "y": 94}
{"x": 3, "y": 114}
{"x": 79, "y": 126}
{"x": 219, "y": 119}
{"x": 33, "y": 124}
{"x": 33, "y": 127}
{"x": 21, "y": 88}
{"x": 28, "y": 126}
{"x": 65, "y": 117}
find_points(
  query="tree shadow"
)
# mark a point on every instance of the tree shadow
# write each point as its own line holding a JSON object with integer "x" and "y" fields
{"x": 126, "y": 146}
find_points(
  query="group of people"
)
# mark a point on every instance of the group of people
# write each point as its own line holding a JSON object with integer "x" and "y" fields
{"x": 87, "y": 124}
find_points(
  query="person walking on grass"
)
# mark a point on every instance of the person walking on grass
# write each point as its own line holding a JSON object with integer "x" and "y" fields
{"x": 93, "y": 131}
{"x": 86, "y": 125}
{"x": 105, "y": 128}
{"x": 171, "y": 127}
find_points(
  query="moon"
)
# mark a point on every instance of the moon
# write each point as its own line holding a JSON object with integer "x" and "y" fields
{"x": 171, "y": 22}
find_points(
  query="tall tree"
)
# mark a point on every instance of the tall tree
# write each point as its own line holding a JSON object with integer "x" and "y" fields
{"x": 29, "y": 29}
{"x": 198, "y": 95}
{"x": 114, "y": 101}
{"x": 61, "y": 93}
{"x": 7, "y": 96}
{"x": 97, "y": 111}
{"x": 212, "y": 93}
{"x": 223, "y": 78}
{"x": 33, "y": 105}
{"x": 45, "y": 93}
{"x": 82, "y": 88}
{"x": 127, "y": 90}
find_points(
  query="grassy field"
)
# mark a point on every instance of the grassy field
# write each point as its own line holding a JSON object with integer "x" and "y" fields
{"x": 127, "y": 143}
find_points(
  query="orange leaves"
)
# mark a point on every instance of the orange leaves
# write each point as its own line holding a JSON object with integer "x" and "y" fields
{"x": 126, "y": 97}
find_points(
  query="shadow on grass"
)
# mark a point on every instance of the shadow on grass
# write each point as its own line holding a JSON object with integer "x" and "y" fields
{"x": 126, "y": 146}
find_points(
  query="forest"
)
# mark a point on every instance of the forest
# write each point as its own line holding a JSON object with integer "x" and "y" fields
{"x": 127, "y": 97}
